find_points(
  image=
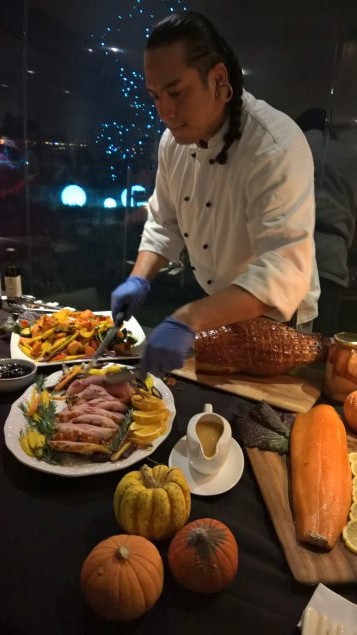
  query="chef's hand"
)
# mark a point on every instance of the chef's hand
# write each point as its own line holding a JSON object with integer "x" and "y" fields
{"x": 167, "y": 347}
{"x": 129, "y": 296}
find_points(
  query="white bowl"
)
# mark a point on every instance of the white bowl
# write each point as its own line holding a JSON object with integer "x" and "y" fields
{"x": 11, "y": 384}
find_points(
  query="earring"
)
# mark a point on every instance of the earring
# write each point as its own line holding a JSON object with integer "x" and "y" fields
{"x": 227, "y": 93}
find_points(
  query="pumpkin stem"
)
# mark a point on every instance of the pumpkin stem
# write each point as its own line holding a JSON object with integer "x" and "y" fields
{"x": 123, "y": 552}
{"x": 147, "y": 476}
{"x": 206, "y": 539}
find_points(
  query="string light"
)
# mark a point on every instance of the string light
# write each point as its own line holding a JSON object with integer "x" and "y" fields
{"x": 137, "y": 133}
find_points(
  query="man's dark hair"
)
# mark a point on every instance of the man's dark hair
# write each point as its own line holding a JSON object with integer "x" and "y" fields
{"x": 204, "y": 48}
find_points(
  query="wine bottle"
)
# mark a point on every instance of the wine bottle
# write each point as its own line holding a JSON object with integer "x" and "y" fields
{"x": 13, "y": 284}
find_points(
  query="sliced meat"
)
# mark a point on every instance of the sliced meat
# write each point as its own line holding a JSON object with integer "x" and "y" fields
{"x": 122, "y": 390}
{"x": 113, "y": 405}
{"x": 80, "y": 384}
{"x": 68, "y": 414}
{"x": 96, "y": 420}
{"x": 88, "y": 393}
{"x": 82, "y": 432}
{"x": 79, "y": 447}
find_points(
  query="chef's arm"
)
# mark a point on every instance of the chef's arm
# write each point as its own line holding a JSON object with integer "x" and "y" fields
{"x": 233, "y": 304}
{"x": 147, "y": 264}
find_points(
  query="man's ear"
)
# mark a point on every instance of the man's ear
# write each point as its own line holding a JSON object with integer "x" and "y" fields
{"x": 220, "y": 73}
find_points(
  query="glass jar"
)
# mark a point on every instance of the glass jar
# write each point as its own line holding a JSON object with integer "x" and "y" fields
{"x": 341, "y": 367}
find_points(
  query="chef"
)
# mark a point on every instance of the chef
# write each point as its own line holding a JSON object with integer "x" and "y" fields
{"x": 234, "y": 185}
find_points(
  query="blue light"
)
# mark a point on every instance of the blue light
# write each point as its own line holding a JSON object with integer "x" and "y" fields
{"x": 124, "y": 196}
{"x": 73, "y": 195}
{"x": 110, "y": 203}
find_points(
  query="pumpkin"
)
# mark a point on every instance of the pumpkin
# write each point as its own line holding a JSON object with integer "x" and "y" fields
{"x": 350, "y": 410}
{"x": 152, "y": 502}
{"x": 122, "y": 577}
{"x": 203, "y": 556}
{"x": 320, "y": 476}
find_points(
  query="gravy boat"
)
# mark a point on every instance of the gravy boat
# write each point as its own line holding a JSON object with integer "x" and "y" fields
{"x": 208, "y": 440}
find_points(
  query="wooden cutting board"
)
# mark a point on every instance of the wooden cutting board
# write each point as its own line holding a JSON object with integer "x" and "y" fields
{"x": 307, "y": 565}
{"x": 296, "y": 392}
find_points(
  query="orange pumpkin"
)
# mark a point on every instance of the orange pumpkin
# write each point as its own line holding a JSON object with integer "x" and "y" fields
{"x": 203, "y": 556}
{"x": 350, "y": 409}
{"x": 122, "y": 577}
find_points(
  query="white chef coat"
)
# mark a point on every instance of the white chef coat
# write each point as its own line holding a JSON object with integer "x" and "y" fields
{"x": 249, "y": 222}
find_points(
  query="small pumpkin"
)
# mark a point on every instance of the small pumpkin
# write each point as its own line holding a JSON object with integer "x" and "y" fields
{"x": 203, "y": 556}
{"x": 350, "y": 409}
{"x": 152, "y": 502}
{"x": 122, "y": 577}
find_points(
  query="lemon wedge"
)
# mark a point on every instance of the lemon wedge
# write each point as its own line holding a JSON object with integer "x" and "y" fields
{"x": 32, "y": 443}
{"x": 354, "y": 489}
{"x": 353, "y": 511}
{"x": 354, "y": 467}
{"x": 349, "y": 535}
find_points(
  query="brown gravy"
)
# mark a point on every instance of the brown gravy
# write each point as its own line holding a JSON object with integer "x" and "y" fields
{"x": 208, "y": 433}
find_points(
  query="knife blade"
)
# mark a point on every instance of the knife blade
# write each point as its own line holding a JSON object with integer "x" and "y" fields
{"x": 105, "y": 343}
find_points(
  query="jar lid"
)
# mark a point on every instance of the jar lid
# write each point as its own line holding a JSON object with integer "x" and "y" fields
{"x": 346, "y": 338}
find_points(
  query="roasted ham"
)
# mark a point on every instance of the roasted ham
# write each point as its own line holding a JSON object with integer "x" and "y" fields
{"x": 260, "y": 347}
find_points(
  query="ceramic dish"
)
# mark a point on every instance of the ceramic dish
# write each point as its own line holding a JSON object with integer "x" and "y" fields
{"x": 209, "y": 485}
{"x": 132, "y": 325}
{"x": 11, "y": 384}
{"x": 77, "y": 465}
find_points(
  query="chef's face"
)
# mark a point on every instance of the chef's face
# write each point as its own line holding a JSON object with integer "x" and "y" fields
{"x": 185, "y": 103}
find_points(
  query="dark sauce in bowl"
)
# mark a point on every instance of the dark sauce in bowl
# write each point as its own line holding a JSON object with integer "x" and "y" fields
{"x": 14, "y": 370}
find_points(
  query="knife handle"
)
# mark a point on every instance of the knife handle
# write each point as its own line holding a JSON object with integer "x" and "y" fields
{"x": 119, "y": 318}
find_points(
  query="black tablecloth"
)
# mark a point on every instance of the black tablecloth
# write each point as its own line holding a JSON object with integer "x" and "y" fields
{"x": 50, "y": 523}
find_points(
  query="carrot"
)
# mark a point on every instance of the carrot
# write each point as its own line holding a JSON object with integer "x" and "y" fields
{"x": 320, "y": 476}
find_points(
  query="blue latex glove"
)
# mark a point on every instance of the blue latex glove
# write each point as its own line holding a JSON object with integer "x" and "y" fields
{"x": 167, "y": 347}
{"x": 129, "y": 296}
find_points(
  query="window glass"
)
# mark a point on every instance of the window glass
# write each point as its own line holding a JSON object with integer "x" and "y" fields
{"x": 79, "y": 135}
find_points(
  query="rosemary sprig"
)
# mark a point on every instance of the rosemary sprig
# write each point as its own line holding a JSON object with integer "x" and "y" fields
{"x": 50, "y": 455}
{"x": 120, "y": 435}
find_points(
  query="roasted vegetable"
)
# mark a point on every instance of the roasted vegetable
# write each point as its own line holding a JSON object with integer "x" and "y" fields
{"x": 320, "y": 475}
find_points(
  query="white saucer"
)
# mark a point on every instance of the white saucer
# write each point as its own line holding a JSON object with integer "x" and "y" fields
{"x": 208, "y": 485}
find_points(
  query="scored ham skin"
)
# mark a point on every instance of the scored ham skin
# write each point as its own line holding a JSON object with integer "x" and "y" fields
{"x": 260, "y": 347}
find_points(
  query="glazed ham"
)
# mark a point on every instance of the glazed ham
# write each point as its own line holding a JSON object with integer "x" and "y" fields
{"x": 260, "y": 347}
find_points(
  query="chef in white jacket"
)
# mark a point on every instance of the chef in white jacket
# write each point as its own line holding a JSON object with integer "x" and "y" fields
{"x": 234, "y": 185}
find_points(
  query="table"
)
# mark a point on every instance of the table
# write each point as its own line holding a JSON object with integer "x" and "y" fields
{"x": 50, "y": 523}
